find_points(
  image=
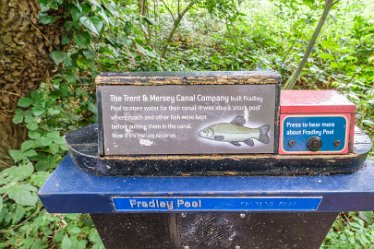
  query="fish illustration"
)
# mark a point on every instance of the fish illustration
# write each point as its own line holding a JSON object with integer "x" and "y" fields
{"x": 235, "y": 132}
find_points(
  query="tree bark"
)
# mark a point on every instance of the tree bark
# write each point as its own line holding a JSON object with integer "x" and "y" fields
{"x": 24, "y": 62}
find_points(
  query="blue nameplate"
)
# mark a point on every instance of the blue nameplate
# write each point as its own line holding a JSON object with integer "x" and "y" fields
{"x": 228, "y": 204}
{"x": 328, "y": 129}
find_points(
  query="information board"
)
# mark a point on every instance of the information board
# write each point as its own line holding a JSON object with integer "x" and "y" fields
{"x": 187, "y": 119}
{"x": 328, "y": 132}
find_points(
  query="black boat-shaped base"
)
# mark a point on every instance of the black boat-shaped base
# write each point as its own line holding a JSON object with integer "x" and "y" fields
{"x": 83, "y": 147}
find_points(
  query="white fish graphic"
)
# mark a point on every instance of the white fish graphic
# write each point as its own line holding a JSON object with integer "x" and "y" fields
{"x": 235, "y": 132}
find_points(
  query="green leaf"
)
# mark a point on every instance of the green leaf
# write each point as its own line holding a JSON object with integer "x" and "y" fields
{"x": 105, "y": 17}
{"x": 111, "y": 6}
{"x": 30, "y": 153}
{"x": 54, "y": 110}
{"x": 58, "y": 57}
{"x": 89, "y": 54}
{"x": 66, "y": 243}
{"x": 1, "y": 203}
{"x": 18, "y": 214}
{"x": 43, "y": 164}
{"x": 82, "y": 39}
{"x": 32, "y": 125}
{"x": 54, "y": 148}
{"x": 16, "y": 155}
{"x": 93, "y": 23}
{"x": 94, "y": 3}
{"x": 59, "y": 140}
{"x": 75, "y": 13}
{"x": 65, "y": 40}
{"x": 68, "y": 62}
{"x": 44, "y": 18}
{"x": 24, "y": 102}
{"x": 368, "y": 123}
{"x": 37, "y": 111}
{"x": 53, "y": 134}
{"x": 39, "y": 178}
{"x": 43, "y": 142}
{"x": 23, "y": 194}
{"x": 149, "y": 21}
{"x": 368, "y": 216}
{"x": 27, "y": 145}
{"x": 34, "y": 135}
{"x": 18, "y": 116}
{"x": 85, "y": 63}
{"x": 16, "y": 173}
{"x": 23, "y": 171}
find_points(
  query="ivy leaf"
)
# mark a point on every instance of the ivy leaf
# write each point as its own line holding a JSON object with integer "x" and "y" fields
{"x": 82, "y": 39}
{"x": 30, "y": 153}
{"x": 43, "y": 142}
{"x": 23, "y": 194}
{"x": 16, "y": 155}
{"x": 34, "y": 135}
{"x": 24, "y": 102}
{"x": 32, "y": 125}
{"x": 44, "y": 18}
{"x": 53, "y": 134}
{"x": 37, "y": 111}
{"x": 18, "y": 116}
{"x": 27, "y": 145}
{"x": 65, "y": 40}
{"x": 93, "y": 23}
{"x": 58, "y": 57}
{"x": 54, "y": 148}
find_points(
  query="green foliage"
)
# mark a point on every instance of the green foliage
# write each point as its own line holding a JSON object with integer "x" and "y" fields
{"x": 351, "y": 230}
{"x": 105, "y": 35}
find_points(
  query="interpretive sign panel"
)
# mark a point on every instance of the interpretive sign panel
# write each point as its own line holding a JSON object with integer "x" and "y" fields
{"x": 306, "y": 134}
{"x": 187, "y": 119}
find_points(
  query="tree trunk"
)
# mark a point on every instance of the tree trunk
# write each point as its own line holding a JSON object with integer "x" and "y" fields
{"x": 24, "y": 62}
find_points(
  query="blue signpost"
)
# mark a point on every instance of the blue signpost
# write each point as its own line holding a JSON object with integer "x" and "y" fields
{"x": 209, "y": 212}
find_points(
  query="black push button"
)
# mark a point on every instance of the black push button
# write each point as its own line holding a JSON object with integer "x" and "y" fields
{"x": 314, "y": 144}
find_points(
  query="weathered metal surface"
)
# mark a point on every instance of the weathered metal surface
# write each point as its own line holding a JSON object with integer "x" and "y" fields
{"x": 83, "y": 146}
{"x": 189, "y": 78}
{"x": 213, "y": 230}
{"x": 71, "y": 190}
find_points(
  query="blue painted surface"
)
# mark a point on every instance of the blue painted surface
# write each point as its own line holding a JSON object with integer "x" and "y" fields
{"x": 302, "y": 128}
{"x": 196, "y": 204}
{"x": 70, "y": 190}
